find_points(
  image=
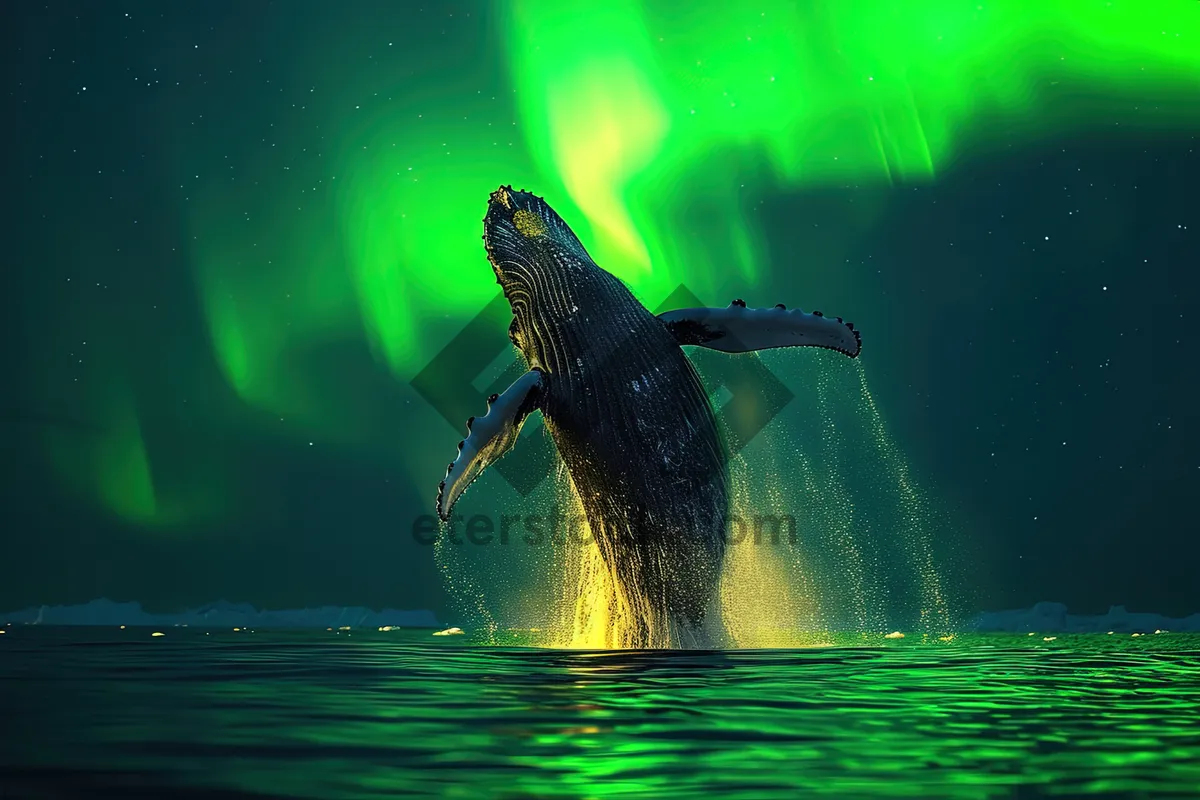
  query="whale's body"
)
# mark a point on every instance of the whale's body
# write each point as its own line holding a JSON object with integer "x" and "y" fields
{"x": 633, "y": 425}
{"x": 628, "y": 414}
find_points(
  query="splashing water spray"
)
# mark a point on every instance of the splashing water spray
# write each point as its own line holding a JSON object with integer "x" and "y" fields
{"x": 818, "y": 552}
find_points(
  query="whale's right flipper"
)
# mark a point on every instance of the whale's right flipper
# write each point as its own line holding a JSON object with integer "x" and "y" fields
{"x": 489, "y": 437}
{"x": 738, "y": 329}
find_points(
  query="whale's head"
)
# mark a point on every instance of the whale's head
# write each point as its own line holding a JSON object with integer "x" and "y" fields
{"x": 528, "y": 243}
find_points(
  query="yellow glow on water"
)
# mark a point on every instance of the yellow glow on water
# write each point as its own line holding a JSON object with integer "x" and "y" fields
{"x": 597, "y": 616}
{"x": 766, "y": 599}
{"x": 593, "y": 610}
{"x": 767, "y": 596}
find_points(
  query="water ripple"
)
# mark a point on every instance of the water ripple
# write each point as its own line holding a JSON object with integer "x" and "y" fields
{"x": 375, "y": 714}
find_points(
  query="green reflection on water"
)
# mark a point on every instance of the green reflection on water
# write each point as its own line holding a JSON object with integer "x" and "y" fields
{"x": 368, "y": 714}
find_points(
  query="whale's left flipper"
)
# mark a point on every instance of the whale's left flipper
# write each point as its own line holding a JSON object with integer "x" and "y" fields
{"x": 489, "y": 437}
{"x": 738, "y": 329}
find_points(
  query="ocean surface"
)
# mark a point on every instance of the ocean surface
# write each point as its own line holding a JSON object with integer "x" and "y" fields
{"x": 370, "y": 714}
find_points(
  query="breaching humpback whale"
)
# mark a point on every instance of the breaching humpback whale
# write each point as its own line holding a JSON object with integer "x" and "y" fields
{"x": 627, "y": 413}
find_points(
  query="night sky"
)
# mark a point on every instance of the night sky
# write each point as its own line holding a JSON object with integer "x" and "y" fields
{"x": 236, "y": 232}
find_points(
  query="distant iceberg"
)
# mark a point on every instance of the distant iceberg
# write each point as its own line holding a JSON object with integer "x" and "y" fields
{"x": 1053, "y": 618}
{"x": 220, "y": 614}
